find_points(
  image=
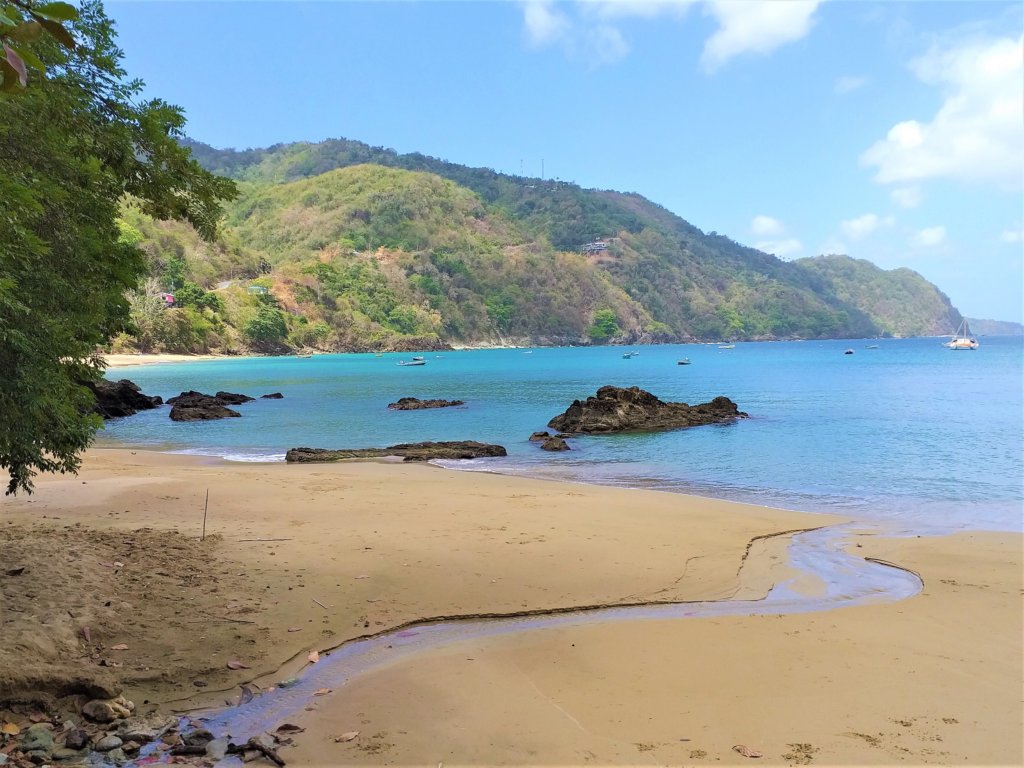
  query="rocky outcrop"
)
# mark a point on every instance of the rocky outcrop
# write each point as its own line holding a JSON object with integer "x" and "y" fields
{"x": 415, "y": 404}
{"x": 197, "y": 406}
{"x": 120, "y": 398}
{"x": 272, "y": 396}
{"x": 554, "y": 444}
{"x": 615, "y": 409}
{"x": 537, "y": 437}
{"x": 467, "y": 449}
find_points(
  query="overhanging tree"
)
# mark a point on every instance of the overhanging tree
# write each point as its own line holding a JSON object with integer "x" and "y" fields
{"x": 73, "y": 146}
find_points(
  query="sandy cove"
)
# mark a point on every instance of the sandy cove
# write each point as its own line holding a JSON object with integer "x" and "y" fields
{"x": 932, "y": 679}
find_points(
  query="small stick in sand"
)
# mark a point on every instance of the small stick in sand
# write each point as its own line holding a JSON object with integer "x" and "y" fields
{"x": 319, "y": 603}
{"x": 241, "y": 540}
{"x": 206, "y": 506}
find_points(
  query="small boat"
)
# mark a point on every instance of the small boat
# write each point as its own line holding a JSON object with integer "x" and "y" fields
{"x": 727, "y": 346}
{"x": 871, "y": 346}
{"x": 307, "y": 354}
{"x": 414, "y": 361}
{"x": 963, "y": 338}
{"x": 848, "y": 352}
{"x": 378, "y": 354}
{"x": 628, "y": 355}
{"x": 684, "y": 361}
{"x": 417, "y": 358}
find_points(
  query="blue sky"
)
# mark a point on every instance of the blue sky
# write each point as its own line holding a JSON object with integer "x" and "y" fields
{"x": 892, "y": 132}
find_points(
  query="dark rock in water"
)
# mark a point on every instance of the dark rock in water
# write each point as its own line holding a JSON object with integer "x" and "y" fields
{"x": 197, "y": 406}
{"x": 232, "y": 398}
{"x": 120, "y": 398}
{"x": 200, "y": 736}
{"x": 538, "y": 436}
{"x": 76, "y": 739}
{"x": 555, "y": 444}
{"x": 272, "y": 396}
{"x": 467, "y": 449}
{"x": 201, "y": 412}
{"x": 615, "y": 409}
{"x": 415, "y": 404}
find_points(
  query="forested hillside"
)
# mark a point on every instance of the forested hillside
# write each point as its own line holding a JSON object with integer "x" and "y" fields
{"x": 343, "y": 246}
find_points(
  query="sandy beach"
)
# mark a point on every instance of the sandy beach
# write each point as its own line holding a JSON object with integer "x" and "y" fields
{"x": 152, "y": 358}
{"x": 298, "y": 558}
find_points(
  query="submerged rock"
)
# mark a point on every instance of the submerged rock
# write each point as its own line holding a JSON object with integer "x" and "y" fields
{"x": 466, "y": 449}
{"x": 536, "y": 437}
{"x": 120, "y": 398}
{"x": 555, "y": 444}
{"x": 272, "y": 396}
{"x": 615, "y": 409}
{"x": 201, "y": 412}
{"x": 415, "y": 404}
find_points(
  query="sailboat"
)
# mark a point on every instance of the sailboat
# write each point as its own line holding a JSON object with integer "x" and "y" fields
{"x": 963, "y": 338}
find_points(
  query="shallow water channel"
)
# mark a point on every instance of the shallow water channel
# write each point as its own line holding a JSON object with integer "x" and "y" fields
{"x": 836, "y": 578}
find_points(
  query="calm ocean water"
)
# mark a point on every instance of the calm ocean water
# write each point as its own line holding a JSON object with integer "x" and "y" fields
{"x": 909, "y": 432}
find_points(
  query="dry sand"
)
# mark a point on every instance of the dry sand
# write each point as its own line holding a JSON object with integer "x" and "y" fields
{"x": 936, "y": 678}
{"x": 123, "y": 360}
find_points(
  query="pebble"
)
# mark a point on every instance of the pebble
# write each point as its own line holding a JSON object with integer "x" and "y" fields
{"x": 37, "y": 738}
{"x": 108, "y": 743}
{"x": 198, "y": 737}
{"x": 76, "y": 739}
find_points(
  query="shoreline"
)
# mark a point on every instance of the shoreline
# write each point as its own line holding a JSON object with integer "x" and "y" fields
{"x": 336, "y": 551}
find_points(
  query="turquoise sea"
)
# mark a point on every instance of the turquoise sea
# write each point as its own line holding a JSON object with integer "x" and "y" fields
{"x": 908, "y": 432}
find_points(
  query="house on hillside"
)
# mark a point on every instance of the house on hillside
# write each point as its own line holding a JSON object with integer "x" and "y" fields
{"x": 258, "y": 290}
{"x": 595, "y": 247}
{"x": 167, "y": 298}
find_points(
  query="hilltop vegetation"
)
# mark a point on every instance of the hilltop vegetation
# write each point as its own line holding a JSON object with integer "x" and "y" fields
{"x": 359, "y": 248}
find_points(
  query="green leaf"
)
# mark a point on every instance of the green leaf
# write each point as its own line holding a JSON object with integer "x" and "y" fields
{"x": 17, "y": 64}
{"x": 57, "y": 12}
{"x": 7, "y": 21}
{"x": 62, "y": 35}
{"x": 30, "y": 58}
{"x": 28, "y": 32}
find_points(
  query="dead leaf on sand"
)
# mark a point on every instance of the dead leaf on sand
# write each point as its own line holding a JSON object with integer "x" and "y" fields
{"x": 10, "y": 729}
{"x": 746, "y": 751}
{"x": 289, "y": 728}
{"x": 245, "y": 696}
{"x": 294, "y": 629}
{"x": 313, "y": 656}
{"x": 346, "y": 736}
{"x": 87, "y": 634}
{"x": 237, "y": 665}
{"x": 322, "y": 691}
{"x": 119, "y": 647}
{"x": 363, "y": 576}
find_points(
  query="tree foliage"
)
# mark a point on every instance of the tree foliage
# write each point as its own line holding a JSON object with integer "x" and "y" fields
{"x": 73, "y": 146}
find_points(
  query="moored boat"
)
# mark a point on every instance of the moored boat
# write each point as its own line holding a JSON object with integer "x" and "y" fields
{"x": 963, "y": 338}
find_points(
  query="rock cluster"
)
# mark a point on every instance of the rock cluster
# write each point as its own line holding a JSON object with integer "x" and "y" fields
{"x": 415, "y": 404}
{"x": 465, "y": 449}
{"x": 196, "y": 406}
{"x": 120, "y": 398}
{"x": 616, "y": 409}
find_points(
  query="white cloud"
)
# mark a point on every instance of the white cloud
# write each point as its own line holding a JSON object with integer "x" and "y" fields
{"x": 781, "y": 248}
{"x": 929, "y": 237}
{"x": 754, "y": 26}
{"x": 586, "y": 28}
{"x": 906, "y": 197}
{"x": 862, "y": 226}
{"x": 766, "y": 226}
{"x": 849, "y": 83}
{"x": 1012, "y": 235}
{"x": 834, "y": 246}
{"x": 977, "y": 134}
{"x": 544, "y": 24}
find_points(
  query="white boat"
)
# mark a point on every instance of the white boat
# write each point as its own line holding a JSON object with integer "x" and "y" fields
{"x": 628, "y": 355}
{"x": 414, "y": 361}
{"x": 683, "y": 361}
{"x": 963, "y": 338}
{"x": 727, "y": 346}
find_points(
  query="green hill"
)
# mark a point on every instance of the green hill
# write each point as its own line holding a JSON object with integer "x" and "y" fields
{"x": 899, "y": 301}
{"x": 340, "y": 245}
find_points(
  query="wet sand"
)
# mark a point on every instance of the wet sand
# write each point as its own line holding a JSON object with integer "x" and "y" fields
{"x": 305, "y": 557}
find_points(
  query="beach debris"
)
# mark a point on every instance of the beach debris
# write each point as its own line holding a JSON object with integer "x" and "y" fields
{"x": 288, "y": 683}
{"x": 313, "y": 656}
{"x": 294, "y": 629}
{"x": 746, "y": 751}
{"x": 318, "y": 603}
{"x": 289, "y": 728}
{"x": 87, "y": 634}
{"x": 11, "y": 729}
{"x": 119, "y": 647}
{"x": 322, "y": 691}
{"x": 245, "y": 696}
{"x": 363, "y": 576}
{"x": 233, "y": 664}
{"x": 348, "y": 736}
{"x": 255, "y": 745}
{"x": 17, "y": 571}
